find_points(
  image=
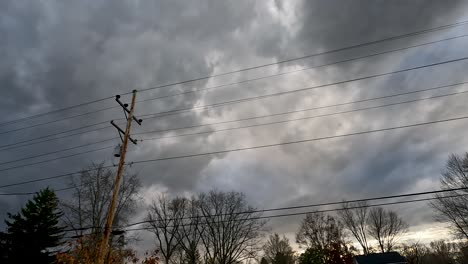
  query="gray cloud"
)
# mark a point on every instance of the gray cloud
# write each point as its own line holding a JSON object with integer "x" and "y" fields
{"x": 57, "y": 54}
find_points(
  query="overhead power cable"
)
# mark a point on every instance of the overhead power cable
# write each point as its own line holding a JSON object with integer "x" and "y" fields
{"x": 32, "y": 193}
{"x": 46, "y": 139}
{"x": 301, "y": 118}
{"x": 178, "y": 111}
{"x": 57, "y": 120}
{"x": 259, "y": 217}
{"x": 315, "y": 205}
{"x": 58, "y": 151}
{"x": 57, "y": 158}
{"x": 319, "y": 107}
{"x": 54, "y": 177}
{"x": 56, "y": 110}
{"x": 248, "y": 99}
{"x": 55, "y": 134}
{"x": 256, "y": 147}
{"x": 236, "y": 83}
{"x": 415, "y": 33}
{"x": 315, "y": 54}
{"x": 300, "y": 141}
{"x": 295, "y": 71}
{"x": 243, "y": 127}
{"x": 309, "y": 212}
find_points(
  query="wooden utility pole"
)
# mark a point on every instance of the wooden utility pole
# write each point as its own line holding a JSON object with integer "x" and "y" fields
{"x": 104, "y": 243}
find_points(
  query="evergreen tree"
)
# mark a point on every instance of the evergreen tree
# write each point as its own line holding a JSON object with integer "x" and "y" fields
{"x": 33, "y": 231}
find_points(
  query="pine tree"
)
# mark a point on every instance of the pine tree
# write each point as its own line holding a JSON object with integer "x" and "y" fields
{"x": 33, "y": 231}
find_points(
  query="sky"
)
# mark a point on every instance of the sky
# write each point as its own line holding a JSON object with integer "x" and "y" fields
{"x": 56, "y": 54}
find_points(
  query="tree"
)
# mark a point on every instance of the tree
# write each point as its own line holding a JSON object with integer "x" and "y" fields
{"x": 165, "y": 218}
{"x": 323, "y": 235}
{"x": 34, "y": 231}
{"x": 354, "y": 217}
{"x": 232, "y": 230}
{"x": 452, "y": 207}
{"x": 414, "y": 252}
{"x": 189, "y": 234}
{"x": 319, "y": 231}
{"x": 443, "y": 252}
{"x": 86, "y": 212}
{"x": 335, "y": 254}
{"x": 80, "y": 252}
{"x": 385, "y": 227}
{"x": 312, "y": 256}
{"x": 278, "y": 251}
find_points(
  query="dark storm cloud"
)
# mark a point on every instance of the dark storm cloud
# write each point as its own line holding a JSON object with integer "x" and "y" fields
{"x": 56, "y": 54}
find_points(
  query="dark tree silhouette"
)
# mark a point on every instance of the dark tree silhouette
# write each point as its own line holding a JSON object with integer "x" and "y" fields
{"x": 452, "y": 207}
{"x": 278, "y": 250}
{"x": 232, "y": 230}
{"x": 355, "y": 220}
{"x": 33, "y": 233}
{"x": 323, "y": 236}
{"x": 385, "y": 227}
{"x": 91, "y": 194}
{"x": 165, "y": 218}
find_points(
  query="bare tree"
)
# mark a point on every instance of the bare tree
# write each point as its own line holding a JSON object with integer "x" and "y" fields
{"x": 452, "y": 207}
{"x": 354, "y": 217}
{"x": 443, "y": 252}
{"x": 278, "y": 250}
{"x": 189, "y": 234}
{"x": 385, "y": 227}
{"x": 414, "y": 252}
{"x": 165, "y": 218}
{"x": 320, "y": 231}
{"x": 232, "y": 231}
{"x": 86, "y": 212}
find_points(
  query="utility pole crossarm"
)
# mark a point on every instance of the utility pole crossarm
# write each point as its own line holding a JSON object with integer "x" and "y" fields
{"x": 124, "y": 106}
{"x": 134, "y": 141}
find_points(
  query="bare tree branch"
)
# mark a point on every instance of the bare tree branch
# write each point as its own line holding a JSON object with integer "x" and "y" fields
{"x": 454, "y": 210}
{"x": 355, "y": 220}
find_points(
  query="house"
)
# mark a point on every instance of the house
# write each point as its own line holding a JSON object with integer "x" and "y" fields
{"x": 380, "y": 258}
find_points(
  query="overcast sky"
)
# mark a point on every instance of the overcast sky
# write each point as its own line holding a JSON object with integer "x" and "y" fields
{"x": 56, "y": 54}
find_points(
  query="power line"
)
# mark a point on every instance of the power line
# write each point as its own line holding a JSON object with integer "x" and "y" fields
{"x": 15, "y": 145}
{"x": 242, "y": 127}
{"x": 447, "y": 26}
{"x": 257, "y": 147}
{"x": 245, "y": 81}
{"x": 264, "y": 116}
{"x": 309, "y": 212}
{"x": 239, "y": 82}
{"x": 316, "y": 205}
{"x": 289, "y": 214}
{"x": 178, "y": 111}
{"x": 250, "y": 126}
{"x": 57, "y": 120}
{"x": 51, "y": 135}
{"x": 301, "y": 118}
{"x": 56, "y": 110}
{"x": 31, "y": 193}
{"x": 315, "y": 54}
{"x": 300, "y": 141}
{"x": 54, "y": 177}
{"x": 57, "y": 151}
{"x": 57, "y": 158}
{"x": 299, "y": 70}
{"x": 316, "y": 108}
